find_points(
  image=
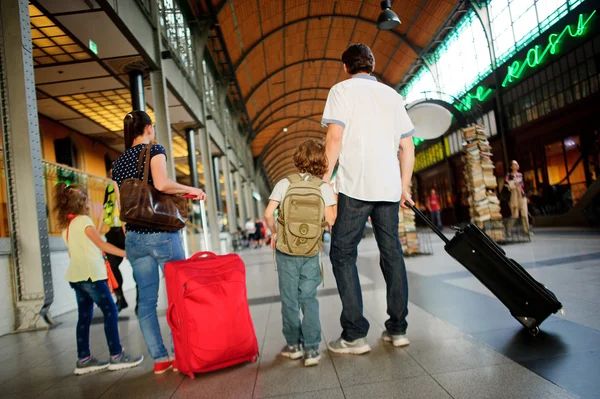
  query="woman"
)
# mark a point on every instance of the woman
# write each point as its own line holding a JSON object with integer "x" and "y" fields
{"x": 518, "y": 200}
{"x": 147, "y": 248}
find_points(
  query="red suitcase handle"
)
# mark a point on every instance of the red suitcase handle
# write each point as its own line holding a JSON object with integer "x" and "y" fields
{"x": 204, "y": 254}
{"x": 170, "y": 319}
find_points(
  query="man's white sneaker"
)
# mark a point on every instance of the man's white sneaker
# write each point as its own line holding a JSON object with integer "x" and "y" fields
{"x": 396, "y": 340}
{"x": 356, "y": 347}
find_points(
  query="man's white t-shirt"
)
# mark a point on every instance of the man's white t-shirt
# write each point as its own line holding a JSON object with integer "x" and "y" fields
{"x": 282, "y": 186}
{"x": 374, "y": 120}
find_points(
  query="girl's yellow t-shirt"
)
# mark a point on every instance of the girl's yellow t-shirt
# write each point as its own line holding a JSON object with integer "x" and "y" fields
{"x": 87, "y": 261}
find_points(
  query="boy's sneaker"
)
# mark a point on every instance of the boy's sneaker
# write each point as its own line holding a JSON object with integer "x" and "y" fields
{"x": 293, "y": 352}
{"x": 356, "y": 347}
{"x": 124, "y": 361}
{"x": 90, "y": 365}
{"x": 311, "y": 358}
{"x": 396, "y": 340}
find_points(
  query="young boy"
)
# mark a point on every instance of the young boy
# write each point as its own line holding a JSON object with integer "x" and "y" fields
{"x": 298, "y": 243}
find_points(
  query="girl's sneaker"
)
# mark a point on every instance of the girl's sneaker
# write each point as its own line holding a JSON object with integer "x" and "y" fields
{"x": 161, "y": 367}
{"x": 90, "y": 365}
{"x": 291, "y": 352}
{"x": 124, "y": 361}
{"x": 311, "y": 358}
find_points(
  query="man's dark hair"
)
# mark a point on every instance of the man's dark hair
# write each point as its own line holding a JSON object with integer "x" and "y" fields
{"x": 358, "y": 58}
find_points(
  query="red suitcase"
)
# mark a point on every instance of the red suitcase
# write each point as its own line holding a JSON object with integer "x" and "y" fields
{"x": 208, "y": 313}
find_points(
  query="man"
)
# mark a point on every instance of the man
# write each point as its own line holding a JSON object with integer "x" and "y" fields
{"x": 433, "y": 204}
{"x": 369, "y": 133}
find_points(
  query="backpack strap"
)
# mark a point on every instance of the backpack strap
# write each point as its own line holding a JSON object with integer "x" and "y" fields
{"x": 295, "y": 178}
{"x": 316, "y": 181}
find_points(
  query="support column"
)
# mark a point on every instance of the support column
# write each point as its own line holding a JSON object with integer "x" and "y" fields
{"x": 30, "y": 258}
{"x": 192, "y": 161}
{"x": 229, "y": 195}
{"x": 136, "y": 85}
{"x": 217, "y": 180}
{"x": 209, "y": 188}
{"x": 158, "y": 83}
{"x": 250, "y": 208}
{"x": 241, "y": 199}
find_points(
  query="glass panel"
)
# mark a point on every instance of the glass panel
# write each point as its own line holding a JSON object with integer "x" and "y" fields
{"x": 555, "y": 163}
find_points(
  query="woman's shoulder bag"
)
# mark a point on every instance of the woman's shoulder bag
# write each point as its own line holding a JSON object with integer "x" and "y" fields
{"x": 142, "y": 204}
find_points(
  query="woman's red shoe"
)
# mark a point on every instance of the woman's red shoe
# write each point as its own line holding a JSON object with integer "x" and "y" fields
{"x": 161, "y": 367}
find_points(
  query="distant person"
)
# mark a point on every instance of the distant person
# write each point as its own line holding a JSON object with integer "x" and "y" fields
{"x": 87, "y": 276}
{"x": 250, "y": 229}
{"x": 115, "y": 236}
{"x": 258, "y": 233}
{"x": 148, "y": 249}
{"x": 518, "y": 200}
{"x": 298, "y": 263}
{"x": 433, "y": 205}
{"x": 369, "y": 133}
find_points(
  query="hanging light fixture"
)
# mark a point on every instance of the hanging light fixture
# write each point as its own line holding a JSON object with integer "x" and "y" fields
{"x": 387, "y": 19}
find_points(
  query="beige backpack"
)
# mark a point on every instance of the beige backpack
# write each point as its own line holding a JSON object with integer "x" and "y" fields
{"x": 301, "y": 218}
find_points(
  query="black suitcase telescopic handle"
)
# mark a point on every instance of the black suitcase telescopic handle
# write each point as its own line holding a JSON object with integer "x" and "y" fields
{"x": 429, "y": 222}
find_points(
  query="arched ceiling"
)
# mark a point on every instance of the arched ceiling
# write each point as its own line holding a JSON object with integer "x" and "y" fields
{"x": 286, "y": 54}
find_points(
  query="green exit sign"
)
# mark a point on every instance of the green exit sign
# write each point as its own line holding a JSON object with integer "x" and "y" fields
{"x": 93, "y": 47}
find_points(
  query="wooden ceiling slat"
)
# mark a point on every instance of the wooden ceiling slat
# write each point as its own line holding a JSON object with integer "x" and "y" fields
{"x": 296, "y": 10}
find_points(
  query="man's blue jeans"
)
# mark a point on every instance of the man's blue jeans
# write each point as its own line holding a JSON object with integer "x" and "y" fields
{"x": 88, "y": 293}
{"x": 146, "y": 253}
{"x": 299, "y": 277}
{"x": 347, "y": 233}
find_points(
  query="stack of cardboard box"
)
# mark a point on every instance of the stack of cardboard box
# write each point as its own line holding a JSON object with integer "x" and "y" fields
{"x": 407, "y": 231}
{"x": 484, "y": 206}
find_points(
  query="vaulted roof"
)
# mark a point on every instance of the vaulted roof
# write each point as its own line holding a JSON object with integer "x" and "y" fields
{"x": 285, "y": 55}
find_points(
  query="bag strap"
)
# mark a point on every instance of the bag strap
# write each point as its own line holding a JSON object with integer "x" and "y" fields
{"x": 144, "y": 155}
{"x": 295, "y": 178}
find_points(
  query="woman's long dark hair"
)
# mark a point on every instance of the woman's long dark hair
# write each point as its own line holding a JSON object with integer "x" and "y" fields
{"x": 133, "y": 126}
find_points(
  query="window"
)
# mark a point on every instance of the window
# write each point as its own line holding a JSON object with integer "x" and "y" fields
{"x": 515, "y": 23}
{"x": 178, "y": 35}
{"x": 209, "y": 87}
{"x": 420, "y": 87}
{"x": 461, "y": 61}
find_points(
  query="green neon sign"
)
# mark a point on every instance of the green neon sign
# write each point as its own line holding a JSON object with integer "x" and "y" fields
{"x": 481, "y": 94}
{"x": 93, "y": 47}
{"x": 417, "y": 141}
{"x": 535, "y": 56}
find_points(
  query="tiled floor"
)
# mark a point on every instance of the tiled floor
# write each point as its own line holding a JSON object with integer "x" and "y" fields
{"x": 464, "y": 344}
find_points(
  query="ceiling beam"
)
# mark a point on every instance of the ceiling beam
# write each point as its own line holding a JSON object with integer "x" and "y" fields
{"x": 289, "y": 93}
{"x": 293, "y": 120}
{"x": 277, "y": 139}
{"x": 416, "y": 49}
{"x": 259, "y": 84}
{"x": 287, "y": 139}
{"x": 312, "y": 100}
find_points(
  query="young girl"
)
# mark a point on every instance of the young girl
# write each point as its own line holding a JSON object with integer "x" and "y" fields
{"x": 87, "y": 276}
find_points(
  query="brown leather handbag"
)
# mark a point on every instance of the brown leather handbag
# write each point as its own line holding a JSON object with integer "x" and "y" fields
{"x": 144, "y": 205}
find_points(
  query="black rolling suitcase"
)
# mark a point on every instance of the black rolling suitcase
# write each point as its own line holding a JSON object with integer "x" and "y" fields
{"x": 529, "y": 301}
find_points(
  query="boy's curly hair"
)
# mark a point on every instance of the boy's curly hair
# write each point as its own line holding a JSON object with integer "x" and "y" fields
{"x": 309, "y": 157}
{"x": 69, "y": 200}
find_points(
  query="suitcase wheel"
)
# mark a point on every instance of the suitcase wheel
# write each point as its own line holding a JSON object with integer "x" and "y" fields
{"x": 534, "y": 331}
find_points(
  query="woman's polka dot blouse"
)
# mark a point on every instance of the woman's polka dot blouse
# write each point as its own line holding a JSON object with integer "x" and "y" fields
{"x": 126, "y": 167}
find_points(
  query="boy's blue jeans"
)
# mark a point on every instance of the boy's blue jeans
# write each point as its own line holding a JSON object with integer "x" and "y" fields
{"x": 146, "y": 253}
{"x": 88, "y": 293}
{"x": 299, "y": 277}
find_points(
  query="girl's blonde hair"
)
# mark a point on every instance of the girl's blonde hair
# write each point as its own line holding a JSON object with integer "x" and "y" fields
{"x": 69, "y": 200}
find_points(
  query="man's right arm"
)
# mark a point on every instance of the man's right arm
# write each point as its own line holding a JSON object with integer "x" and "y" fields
{"x": 333, "y": 147}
